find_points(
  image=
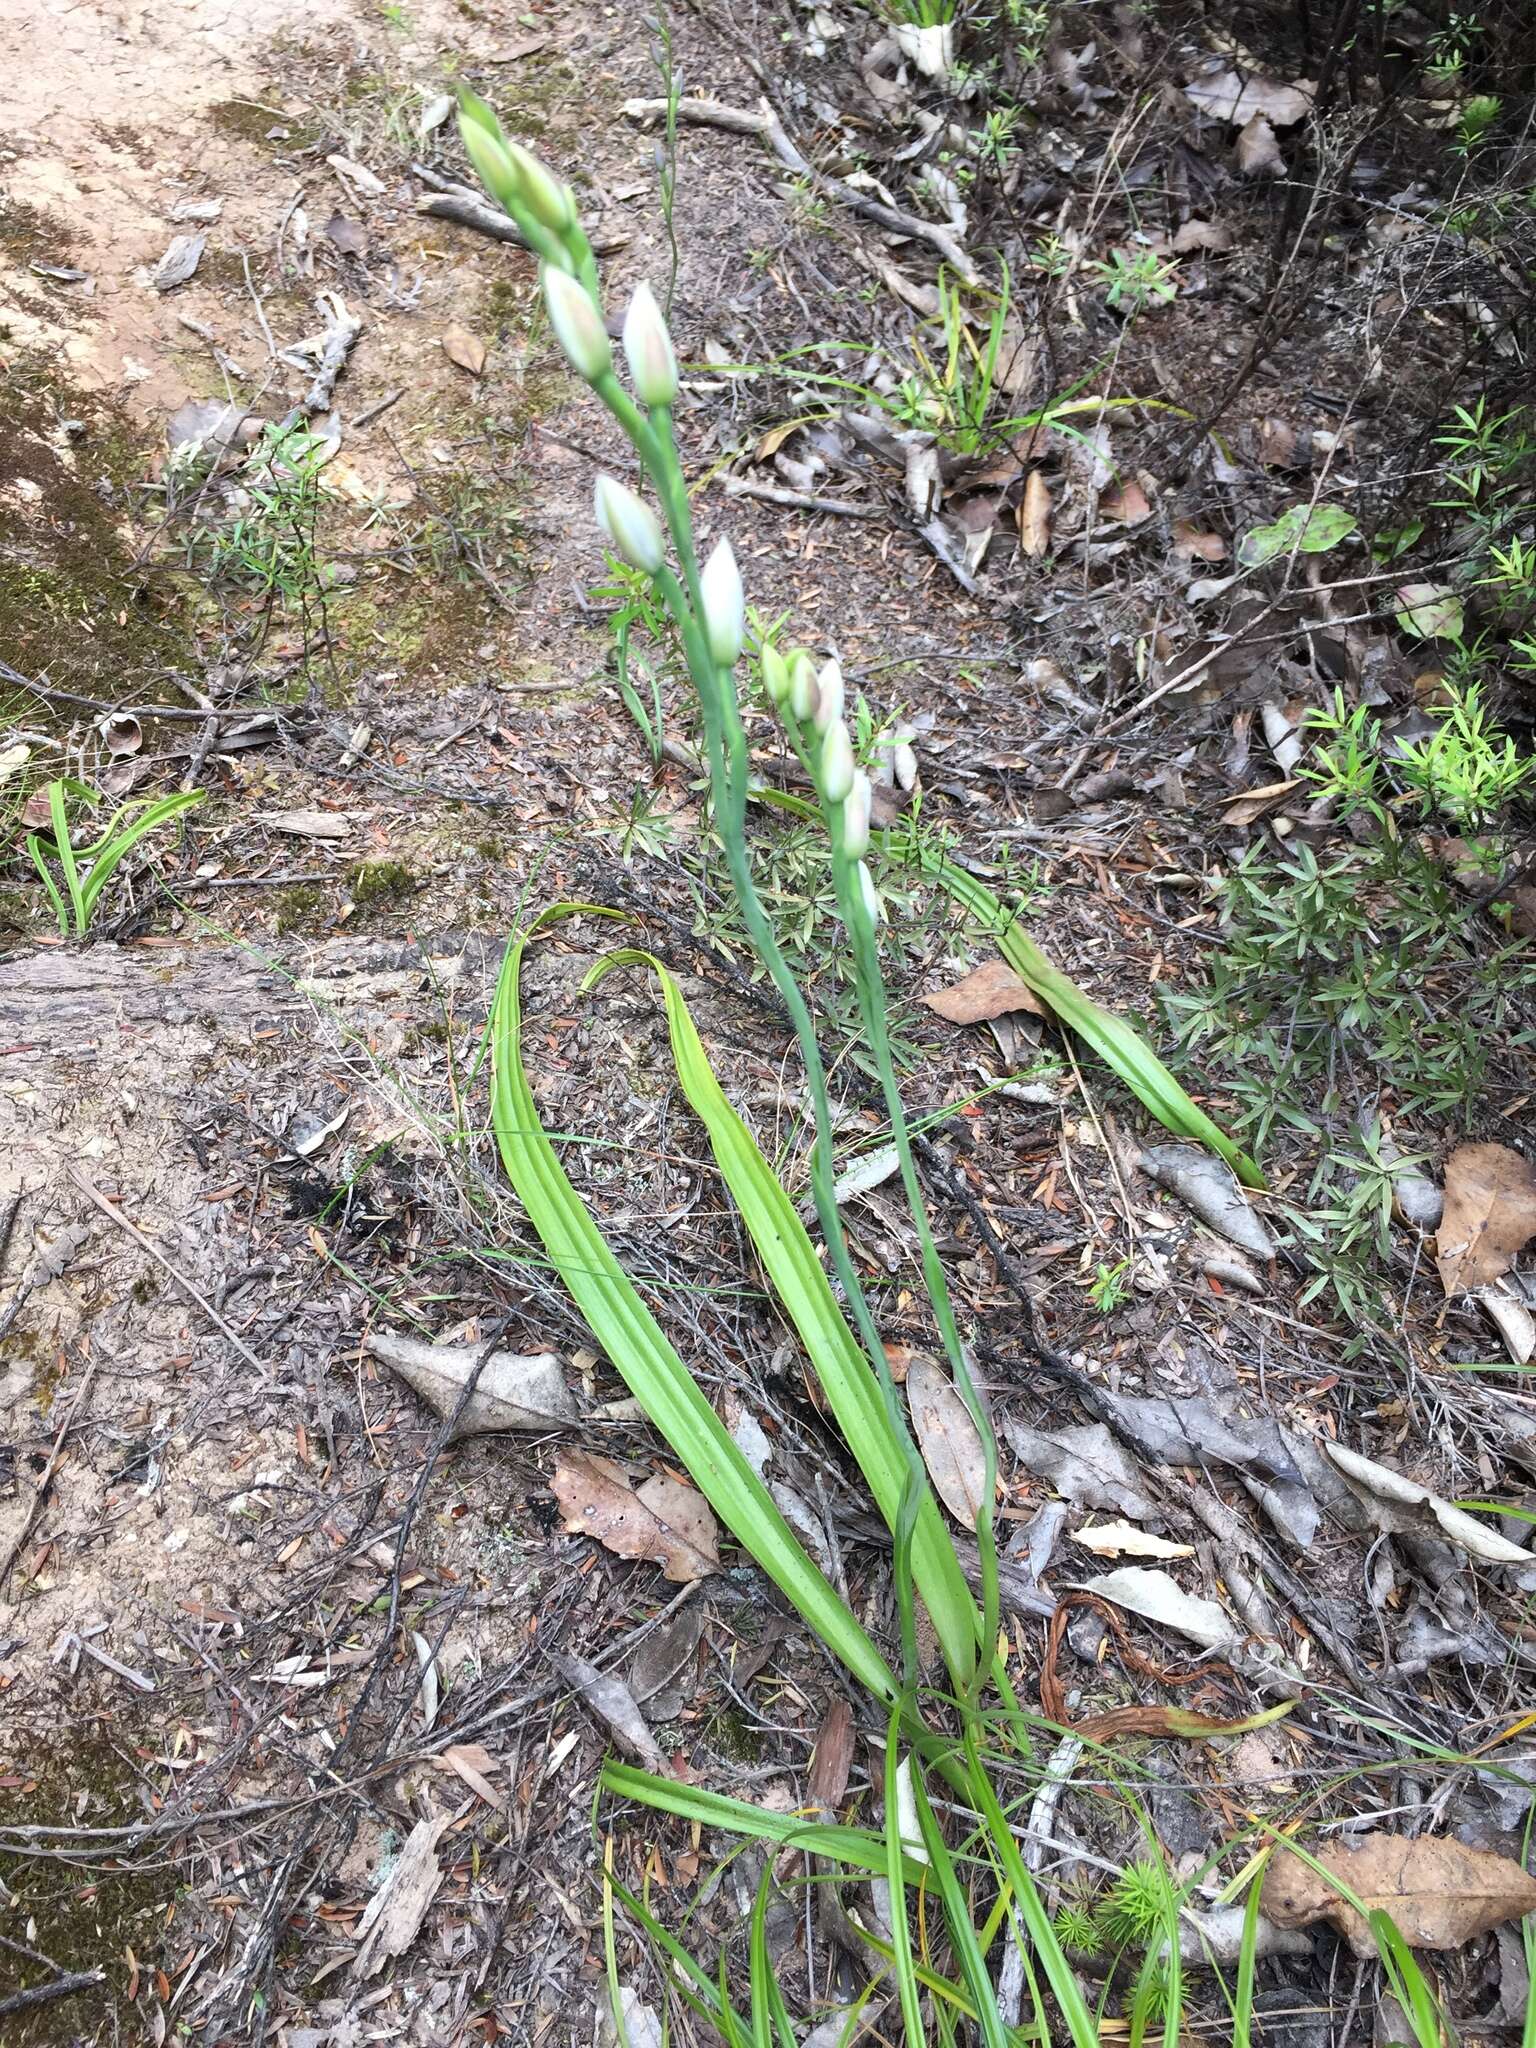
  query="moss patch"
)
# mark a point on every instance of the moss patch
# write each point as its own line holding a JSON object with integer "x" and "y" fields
{"x": 74, "y": 597}
{"x": 376, "y": 882}
{"x": 85, "y": 1918}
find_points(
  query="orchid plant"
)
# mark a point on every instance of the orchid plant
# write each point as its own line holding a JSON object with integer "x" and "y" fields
{"x": 988, "y": 1898}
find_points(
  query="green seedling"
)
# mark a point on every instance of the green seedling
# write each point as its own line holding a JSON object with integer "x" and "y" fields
{"x": 87, "y": 869}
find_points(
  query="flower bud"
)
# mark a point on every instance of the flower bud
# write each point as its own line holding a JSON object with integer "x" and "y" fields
{"x": 870, "y": 894}
{"x": 856, "y": 809}
{"x": 630, "y": 524}
{"x": 487, "y": 150}
{"x": 551, "y": 202}
{"x": 577, "y": 323}
{"x": 829, "y": 696}
{"x": 836, "y": 763}
{"x": 725, "y": 605}
{"x": 802, "y": 685}
{"x": 647, "y": 344}
{"x": 775, "y": 674}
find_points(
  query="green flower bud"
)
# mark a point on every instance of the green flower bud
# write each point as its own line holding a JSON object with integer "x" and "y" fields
{"x": 836, "y": 763}
{"x": 487, "y": 150}
{"x": 648, "y": 346}
{"x": 775, "y": 674}
{"x": 577, "y": 323}
{"x": 802, "y": 685}
{"x": 551, "y": 202}
{"x": 870, "y": 894}
{"x": 630, "y": 524}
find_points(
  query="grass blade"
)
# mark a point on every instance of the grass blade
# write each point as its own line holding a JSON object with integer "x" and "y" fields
{"x": 1120, "y": 1047}
{"x": 800, "y": 1281}
{"x": 902, "y": 1967}
{"x": 66, "y": 853}
{"x": 957, "y": 1918}
{"x": 641, "y": 1353}
{"x": 855, "y": 1848}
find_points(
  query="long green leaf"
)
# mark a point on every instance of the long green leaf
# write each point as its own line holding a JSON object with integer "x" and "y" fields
{"x": 1110, "y": 1036}
{"x": 115, "y": 845}
{"x": 800, "y": 1281}
{"x": 855, "y": 1848}
{"x": 641, "y": 1353}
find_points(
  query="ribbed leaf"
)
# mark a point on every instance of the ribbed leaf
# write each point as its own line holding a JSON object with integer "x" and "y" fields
{"x": 1110, "y": 1036}
{"x": 800, "y": 1281}
{"x": 640, "y": 1352}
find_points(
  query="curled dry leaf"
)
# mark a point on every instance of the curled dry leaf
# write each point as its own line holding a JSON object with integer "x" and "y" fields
{"x": 1124, "y": 1539}
{"x": 1227, "y": 95}
{"x": 1127, "y": 506}
{"x": 614, "y": 1705}
{"x": 1035, "y": 515}
{"x": 1158, "y": 1598}
{"x": 1211, "y": 235}
{"x": 1084, "y": 1464}
{"x": 512, "y": 1392}
{"x": 1258, "y": 151}
{"x": 948, "y": 1440}
{"x": 833, "y": 1758}
{"x": 662, "y": 1520}
{"x": 991, "y": 990}
{"x": 1189, "y": 541}
{"x": 1208, "y": 1188}
{"x": 120, "y": 734}
{"x": 1490, "y": 1213}
{"x": 464, "y": 350}
{"x": 1439, "y": 1892}
{"x": 1391, "y": 1493}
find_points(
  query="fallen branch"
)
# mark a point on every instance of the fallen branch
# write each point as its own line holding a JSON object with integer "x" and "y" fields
{"x": 446, "y": 200}
{"x": 61, "y": 1987}
{"x": 741, "y": 121}
{"x": 342, "y": 329}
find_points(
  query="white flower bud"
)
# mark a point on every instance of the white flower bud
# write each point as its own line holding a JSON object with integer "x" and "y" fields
{"x": 856, "y": 809}
{"x": 630, "y": 524}
{"x": 551, "y": 202}
{"x": 870, "y": 894}
{"x": 836, "y": 763}
{"x": 725, "y": 605}
{"x": 802, "y": 685}
{"x": 648, "y": 346}
{"x": 577, "y": 323}
{"x": 904, "y": 758}
{"x": 829, "y": 696}
{"x": 775, "y": 674}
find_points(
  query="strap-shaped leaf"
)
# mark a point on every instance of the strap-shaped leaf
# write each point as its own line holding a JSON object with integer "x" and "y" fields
{"x": 1110, "y": 1036}
{"x": 800, "y": 1281}
{"x": 638, "y": 1349}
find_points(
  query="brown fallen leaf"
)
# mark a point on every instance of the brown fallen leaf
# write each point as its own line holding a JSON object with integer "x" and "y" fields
{"x": 1490, "y": 1212}
{"x": 1126, "y": 506}
{"x": 664, "y": 1520}
{"x": 1189, "y": 541}
{"x": 615, "y": 1706}
{"x": 948, "y": 1440}
{"x": 464, "y": 350}
{"x": 1439, "y": 1892}
{"x": 1035, "y": 515}
{"x": 1158, "y": 1721}
{"x": 991, "y": 990}
{"x": 473, "y": 1762}
{"x": 1211, "y": 235}
{"x": 1258, "y": 152}
{"x": 833, "y": 1758}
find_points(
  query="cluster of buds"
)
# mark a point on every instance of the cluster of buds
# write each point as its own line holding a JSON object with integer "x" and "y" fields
{"x": 811, "y": 700}
{"x": 544, "y": 210}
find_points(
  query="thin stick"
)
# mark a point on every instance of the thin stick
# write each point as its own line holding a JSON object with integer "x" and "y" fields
{"x": 160, "y": 1259}
{"x": 801, "y": 501}
{"x": 20, "y": 1541}
{"x": 61, "y": 1987}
